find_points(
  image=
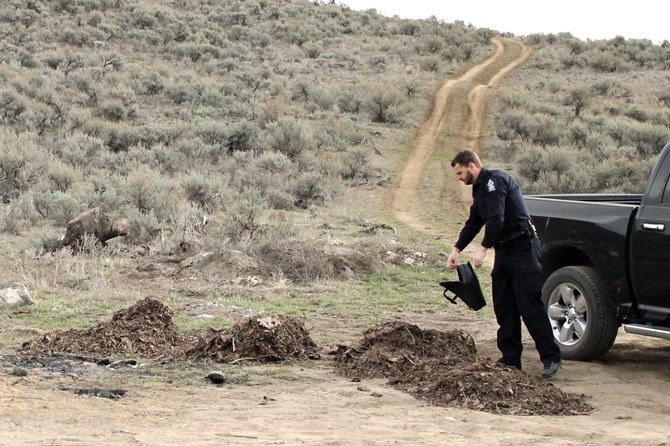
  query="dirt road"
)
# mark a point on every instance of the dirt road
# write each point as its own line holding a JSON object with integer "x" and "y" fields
{"x": 309, "y": 404}
{"x": 457, "y": 115}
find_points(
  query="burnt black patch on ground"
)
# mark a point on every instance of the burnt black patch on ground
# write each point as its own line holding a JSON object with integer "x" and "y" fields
{"x": 268, "y": 339}
{"x": 444, "y": 369}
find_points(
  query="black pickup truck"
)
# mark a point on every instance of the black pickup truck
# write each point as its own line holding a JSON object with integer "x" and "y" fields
{"x": 606, "y": 260}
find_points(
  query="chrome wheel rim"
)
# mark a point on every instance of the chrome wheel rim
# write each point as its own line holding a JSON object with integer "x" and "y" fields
{"x": 567, "y": 311}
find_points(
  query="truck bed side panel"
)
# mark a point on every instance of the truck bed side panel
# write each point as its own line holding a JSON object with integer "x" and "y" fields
{"x": 590, "y": 232}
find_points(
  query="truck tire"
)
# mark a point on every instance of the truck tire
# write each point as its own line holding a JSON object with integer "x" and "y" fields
{"x": 583, "y": 322}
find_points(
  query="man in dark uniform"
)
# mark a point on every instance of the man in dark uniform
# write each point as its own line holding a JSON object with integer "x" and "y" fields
{"x": 499, "y": 207}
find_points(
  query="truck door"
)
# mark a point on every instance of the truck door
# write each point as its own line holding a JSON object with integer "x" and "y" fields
{"x": 650, "y": 247}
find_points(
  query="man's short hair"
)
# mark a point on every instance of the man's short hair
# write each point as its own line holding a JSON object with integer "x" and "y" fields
{"x": 465, "y": 157}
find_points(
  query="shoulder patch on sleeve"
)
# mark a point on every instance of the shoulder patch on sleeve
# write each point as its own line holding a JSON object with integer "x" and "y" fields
{"x": 491, "y": 185}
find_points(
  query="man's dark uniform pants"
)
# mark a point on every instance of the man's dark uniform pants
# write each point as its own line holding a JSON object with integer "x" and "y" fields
{"x": 517, "y": 293}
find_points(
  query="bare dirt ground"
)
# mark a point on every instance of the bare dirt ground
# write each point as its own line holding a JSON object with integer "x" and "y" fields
{"x": 306, "y": 401}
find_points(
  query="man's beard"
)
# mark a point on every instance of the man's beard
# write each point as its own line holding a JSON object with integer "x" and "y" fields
{"x": 468, "y": 179}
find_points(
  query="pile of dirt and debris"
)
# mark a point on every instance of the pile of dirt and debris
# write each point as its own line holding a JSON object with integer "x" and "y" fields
{"x": 444, "y": 369}
{"x": 487, "y": 386}
{"x": 146, "y": 329}
{"x": 393, "y": 348}
{"x": 268, "y": 339}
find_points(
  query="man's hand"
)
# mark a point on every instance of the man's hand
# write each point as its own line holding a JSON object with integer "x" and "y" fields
{"x": 452, "y": 261}
{"x": 479, "y": 257}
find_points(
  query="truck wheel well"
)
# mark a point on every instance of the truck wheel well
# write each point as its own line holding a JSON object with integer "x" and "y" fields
{"x": 557, "y": 258}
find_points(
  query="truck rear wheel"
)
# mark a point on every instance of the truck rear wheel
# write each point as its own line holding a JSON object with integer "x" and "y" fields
{"x": 583, "y": 322}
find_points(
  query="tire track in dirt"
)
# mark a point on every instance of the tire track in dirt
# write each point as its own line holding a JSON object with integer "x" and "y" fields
{"x": 467, "y": 93}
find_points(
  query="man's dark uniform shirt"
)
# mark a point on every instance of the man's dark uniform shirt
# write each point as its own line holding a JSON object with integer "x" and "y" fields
{"x": 498, "y": 206}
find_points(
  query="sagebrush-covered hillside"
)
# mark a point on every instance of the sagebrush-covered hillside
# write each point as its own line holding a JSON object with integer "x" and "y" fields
{"x": 173, "y": 111}
{"x": 191, "y": 113}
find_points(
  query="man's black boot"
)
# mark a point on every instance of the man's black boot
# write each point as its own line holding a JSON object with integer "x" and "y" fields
{"x": 551, "y": 368}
